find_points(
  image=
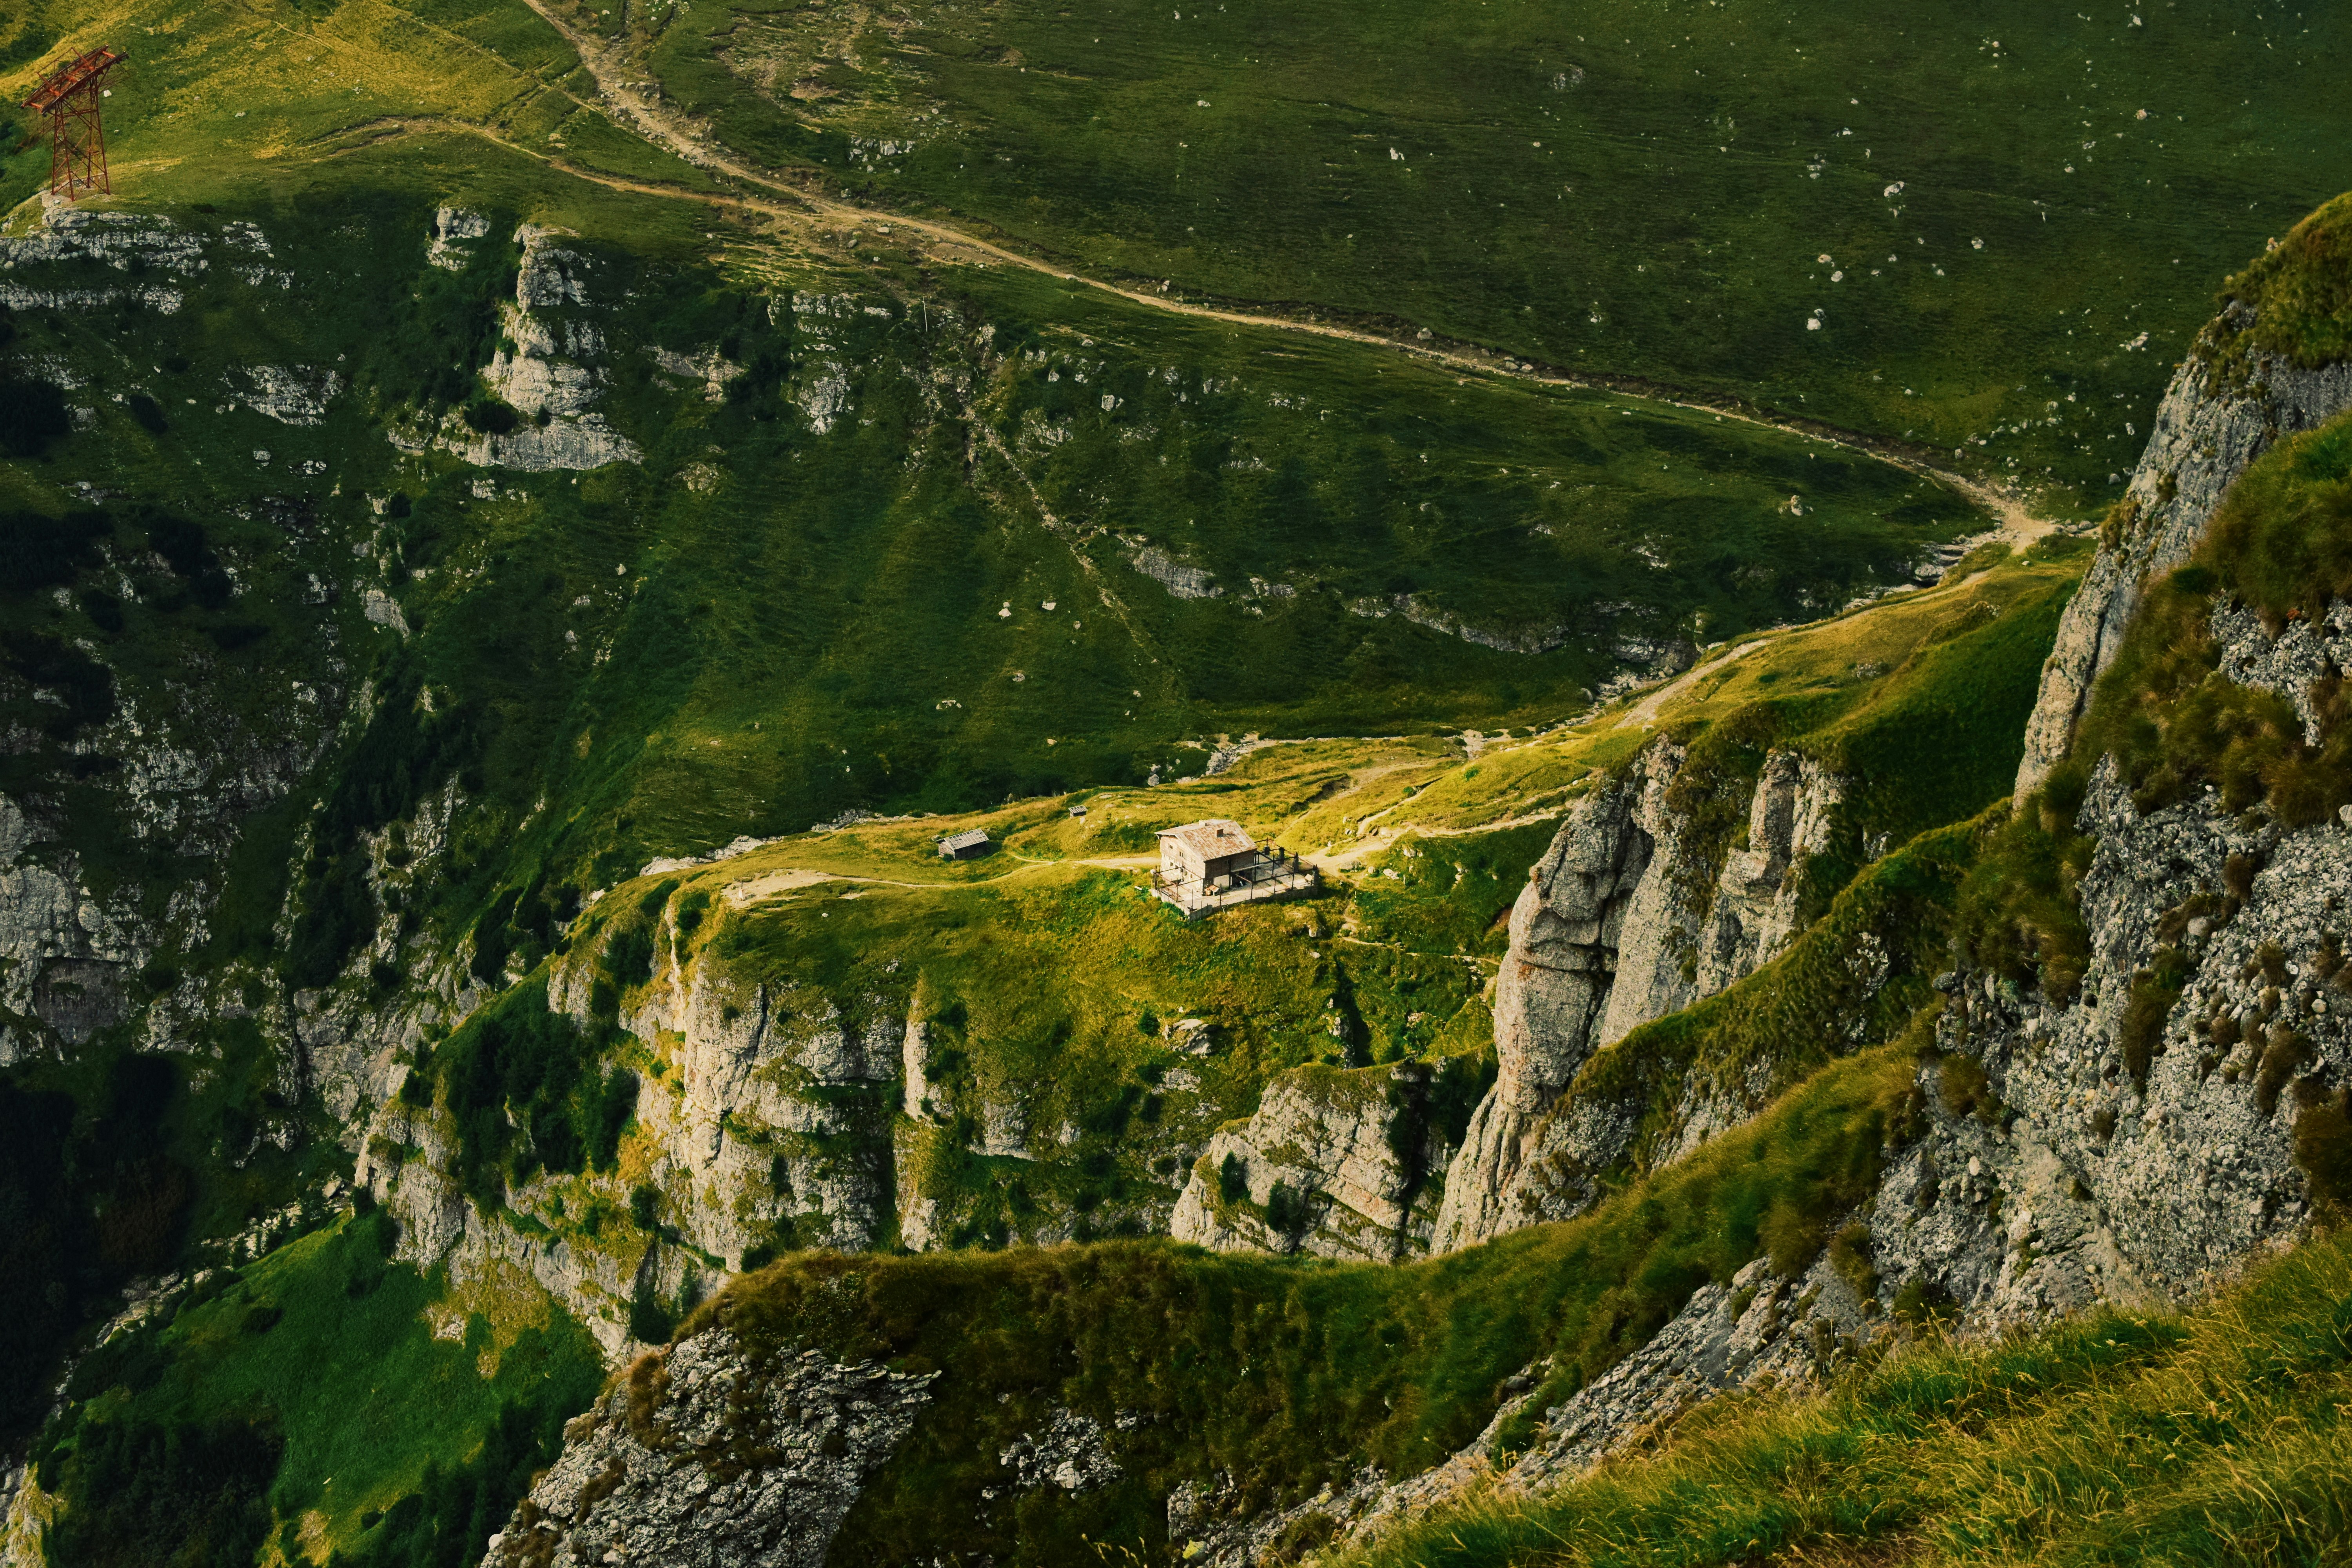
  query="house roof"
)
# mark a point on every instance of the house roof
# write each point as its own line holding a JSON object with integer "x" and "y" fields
{"x": 1212, "y": 837}
{"x": 971, "y": 840}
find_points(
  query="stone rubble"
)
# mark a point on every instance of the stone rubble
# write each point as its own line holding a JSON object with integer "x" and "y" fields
{"x": 1070, "y": 1455}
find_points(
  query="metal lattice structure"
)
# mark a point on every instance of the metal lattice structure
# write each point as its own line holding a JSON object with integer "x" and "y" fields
{"x": 69, "y": 100}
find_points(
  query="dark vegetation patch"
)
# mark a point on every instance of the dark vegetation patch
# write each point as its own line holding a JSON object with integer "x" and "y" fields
{"x": 38, "y": 552}
{"x": 32, "y": 416}
{"x": 109, "y": 1163}
{"x": 233, "y": 1410}
{"x": 192, "y": 1492}
{"x": 528, "y": 1091}
{"x": 2154, "y": 992}
{"x": 408, "y": 749}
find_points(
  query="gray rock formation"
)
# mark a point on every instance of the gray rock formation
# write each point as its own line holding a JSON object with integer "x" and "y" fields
{"x": 1184, "y": 582}
{"x": 705, "y": 1457}
{"x": 1070, "y": 1455}
{"x": 454, "y": 230}
{"x": 1610, "y": 934}
{"x": 546, "y": 369}
{"x": 1334, "y": 1163}
{"x": 1754, "y": 914}
{"x": 821, "y": 380}
{"x": 770, "y": 1126}
{"x": 61, "y": 954}
{"x": 2207, "y": 431}
{"x": 1550, "y": 996}
{"x": 755, "y": 1129}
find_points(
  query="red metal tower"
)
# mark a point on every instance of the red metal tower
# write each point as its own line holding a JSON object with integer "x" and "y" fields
{"x": 77, "y": 140}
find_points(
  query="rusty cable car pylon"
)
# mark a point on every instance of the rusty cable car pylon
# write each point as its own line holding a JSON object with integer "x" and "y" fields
{"x": 77, "y": 140}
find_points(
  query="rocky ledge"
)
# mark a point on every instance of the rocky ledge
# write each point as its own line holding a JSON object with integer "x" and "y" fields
{"x": 705, "y": 1455}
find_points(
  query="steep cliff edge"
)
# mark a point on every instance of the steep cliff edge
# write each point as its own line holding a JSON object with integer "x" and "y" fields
{"x": 2270, "y": 364}
{"x": 791, "y": 1435}
{"x": 1630, "y": 916}
{"x": 1342, "y": 1163}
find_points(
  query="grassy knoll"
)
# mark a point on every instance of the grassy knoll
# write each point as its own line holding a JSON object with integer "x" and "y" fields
{"x": 2008, "y": 218}
{"x": 1281, "y": 1373}
{"x": 322, "y": 1401}
{"x": 2121, "y": 1436}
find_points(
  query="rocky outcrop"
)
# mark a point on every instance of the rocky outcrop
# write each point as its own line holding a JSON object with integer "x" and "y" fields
{"x": 766, "y": 1127}
{"x": 2137, "y": 1141}
{"x": 1755, "y": 910}
{"x": 455, "y": 231}
{"x": 1334, "y": 1163}
{"x": 62, "y": 956}
{"x": 292, "y": 394}
{"x": 1626, "y": 919}
{"x": 708, "y": 1457}
{"x": 2213, "y": 422}
{"x": 1551, "y": 995}
{"x": 2178, "y": 1110}
{"x": 1070, "y": 1455}
{"x": 766, "y": 1133}
{"x": 1184, "y": 582}
{"x": 545, "y": 369}
{"x": 821, "y": 381}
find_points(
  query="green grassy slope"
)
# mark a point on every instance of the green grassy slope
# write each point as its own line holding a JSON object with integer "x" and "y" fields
{"x": 2027, "y": 204}
{"x": 824, "y": 626}
{"x": 323, "y": 1402}
{"x": 223, "y": 102}
{"x": 2121, "y": 1437}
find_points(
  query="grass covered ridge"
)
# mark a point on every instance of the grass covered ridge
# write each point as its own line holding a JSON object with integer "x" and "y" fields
{"x": 2300, "y": 293}
{"x": 1282, "y": 1372}
{"x": 2119, "y": 1436}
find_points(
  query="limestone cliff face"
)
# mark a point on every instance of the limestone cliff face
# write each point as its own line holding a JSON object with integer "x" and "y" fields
{"x": 2070, "y": 1178}
{"x": 1625, "y": 918}
{"x": 1755, "y": 913}
{"x": 1334, "y": 1162}
{"x": 64, "y": 957}
{"x": 1551, "y": 994}
{"x": 778, "y": 1112}
{"x": 2209, "y": 427}
{"x": 768, "y": 1125}
{"x": 550, "y": 364}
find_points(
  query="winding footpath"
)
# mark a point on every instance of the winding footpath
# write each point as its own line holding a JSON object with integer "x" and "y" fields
{"x": 634, "y": 109}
